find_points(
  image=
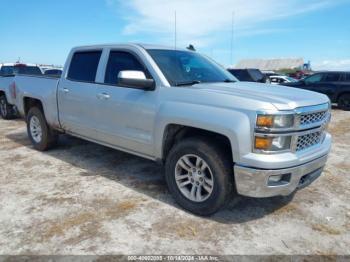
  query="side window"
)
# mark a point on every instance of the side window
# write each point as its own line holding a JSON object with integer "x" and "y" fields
{"x": 332, "y": 77}
{"x": 120, "y": 61}
{"x": 313, "y": 79}
{"x": 83, "y": 66}
{"x": 347, "y": 77}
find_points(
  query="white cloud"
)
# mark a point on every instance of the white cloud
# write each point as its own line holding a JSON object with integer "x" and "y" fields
{"x": 201, "y": 20}
{"x": 332, "y": 65}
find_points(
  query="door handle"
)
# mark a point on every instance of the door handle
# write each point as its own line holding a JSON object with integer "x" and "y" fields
{"x": 65, "y": 90}
{"x": 103, "y": 96}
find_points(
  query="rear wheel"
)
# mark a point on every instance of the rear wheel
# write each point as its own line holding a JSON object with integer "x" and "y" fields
{"x": 6, "y": 110}
{"x": 199, "y": 176}
{"x": 344, "y": 102}
{"x": 39, "y": 132}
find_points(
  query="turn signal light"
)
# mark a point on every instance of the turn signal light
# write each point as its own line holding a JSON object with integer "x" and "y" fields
{"x": 263, "y": 143}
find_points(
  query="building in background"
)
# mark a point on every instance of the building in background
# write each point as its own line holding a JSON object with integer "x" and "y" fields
{"x": 274, "y": 64}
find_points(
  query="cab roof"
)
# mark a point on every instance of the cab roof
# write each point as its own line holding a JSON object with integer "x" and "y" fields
{"x": 139, "y": 45}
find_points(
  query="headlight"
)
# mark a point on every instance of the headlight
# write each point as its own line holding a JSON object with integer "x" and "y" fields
{"x": 275, "y": 121}
{"x": 272, "y": 144}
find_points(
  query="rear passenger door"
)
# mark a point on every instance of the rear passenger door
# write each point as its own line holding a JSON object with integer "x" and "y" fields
{"x": 126, "y": 115}
{"x": 77, "y": 94}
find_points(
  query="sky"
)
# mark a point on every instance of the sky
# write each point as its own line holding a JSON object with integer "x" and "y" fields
{"x": 41, "y": 31}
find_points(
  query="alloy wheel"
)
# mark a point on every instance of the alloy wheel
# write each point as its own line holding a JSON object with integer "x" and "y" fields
{"x": 194, "y": 178}
{"x": 35, "y": 129}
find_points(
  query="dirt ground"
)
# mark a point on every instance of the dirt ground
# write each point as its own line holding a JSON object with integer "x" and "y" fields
{"x": 82, "y": 198}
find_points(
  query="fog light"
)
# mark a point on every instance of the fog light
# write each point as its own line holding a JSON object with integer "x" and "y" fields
{"x": 275, "y": 179}
{"x": 279, "y": 180}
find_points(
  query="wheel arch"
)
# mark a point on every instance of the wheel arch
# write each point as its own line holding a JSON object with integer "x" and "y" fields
{"x": 176, "y": 132}
{"x": 342, "y": 93}
{"x": 30, "y": 102}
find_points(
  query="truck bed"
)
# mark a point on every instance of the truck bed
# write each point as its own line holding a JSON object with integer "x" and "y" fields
{"x": 43, "y": 88}
{"x": 5, "y": 82}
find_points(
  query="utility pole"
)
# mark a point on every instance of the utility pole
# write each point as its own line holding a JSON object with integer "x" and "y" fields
{"x": 232, "y": 34}
{"x": 175, "y": 32}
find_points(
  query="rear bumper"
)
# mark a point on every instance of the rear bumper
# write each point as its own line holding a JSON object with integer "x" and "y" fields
{"x": 254, "y": 182}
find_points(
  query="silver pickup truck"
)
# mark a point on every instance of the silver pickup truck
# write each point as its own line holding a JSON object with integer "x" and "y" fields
{"x": 215, "y": 135}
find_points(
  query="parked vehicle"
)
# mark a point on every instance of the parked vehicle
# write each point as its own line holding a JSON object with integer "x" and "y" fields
{"x": 214, "y": 134}
{"x": 268, "y": 74}
{"x": 280, "y": 79}
{"x": 249, "y": 75}
{"x": 55, "y": 72}
{"x": 300, "y": 74}
{"x": 7, "y": 73}
{"x": 336, "y": 85}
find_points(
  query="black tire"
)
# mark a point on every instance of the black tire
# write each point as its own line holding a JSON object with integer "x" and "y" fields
{"x": 48, "y": 138}
{"x": 6, "y": 110}
{"x": 344, "y": 102}
{"x": 220, "y": 165}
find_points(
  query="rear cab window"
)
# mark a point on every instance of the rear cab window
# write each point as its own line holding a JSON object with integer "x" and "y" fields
{"x": 20, "y": 69}
{"x": 83, "y": 66}
{"x": 28, "y": 70}
{"x": 6, "y": 70}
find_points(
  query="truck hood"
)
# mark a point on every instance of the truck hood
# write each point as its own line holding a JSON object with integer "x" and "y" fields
{"x": 282, "y": 97}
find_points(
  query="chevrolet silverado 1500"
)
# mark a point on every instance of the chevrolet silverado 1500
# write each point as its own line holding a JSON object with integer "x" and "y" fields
{"x": 215, "y": 135}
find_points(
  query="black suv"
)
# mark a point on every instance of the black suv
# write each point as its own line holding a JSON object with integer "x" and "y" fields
{"x": 336, "y": 85}
{"x": 248, "y": 75}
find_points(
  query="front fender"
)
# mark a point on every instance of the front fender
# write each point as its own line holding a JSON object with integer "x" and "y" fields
{"x": 235, "y": 125}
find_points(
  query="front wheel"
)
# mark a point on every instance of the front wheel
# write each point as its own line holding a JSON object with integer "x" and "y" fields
{"x": 39, "y": 132}
{"x": 344, "y": 102}
{"x": 6, "y": 110}
{"x": 199, "y": 176}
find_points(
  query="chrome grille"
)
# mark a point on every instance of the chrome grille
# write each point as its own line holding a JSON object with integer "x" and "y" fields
{"x": 312, "y": 118}
{"x": 308, "y": 140}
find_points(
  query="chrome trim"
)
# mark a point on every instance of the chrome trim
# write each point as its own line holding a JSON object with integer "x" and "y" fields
{"x": 294, "y": 131}
{"x": 297, "y": 115}
{"x": 253, "y": 182}
{"x": 294, "y": 140}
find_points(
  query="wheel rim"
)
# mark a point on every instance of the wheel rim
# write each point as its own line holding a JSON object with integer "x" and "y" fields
{"x": 35, "y": 129}
{"x": 194, "y": 178}
{"x": 3, "y": 107}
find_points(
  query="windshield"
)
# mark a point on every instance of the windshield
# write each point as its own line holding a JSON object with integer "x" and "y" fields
{"x": 181, "y": 67}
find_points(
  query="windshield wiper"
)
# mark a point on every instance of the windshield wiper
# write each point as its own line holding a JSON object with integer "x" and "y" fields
{"x": 229, "y": 81}
{"x": 188, "y": 83}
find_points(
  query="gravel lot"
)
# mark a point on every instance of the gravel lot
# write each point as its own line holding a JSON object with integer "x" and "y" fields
{"x": 82, "y": 198}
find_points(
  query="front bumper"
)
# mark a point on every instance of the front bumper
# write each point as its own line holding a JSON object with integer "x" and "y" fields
{"x": 254, "y": 182}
